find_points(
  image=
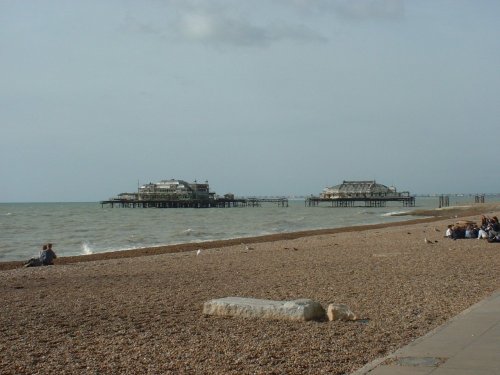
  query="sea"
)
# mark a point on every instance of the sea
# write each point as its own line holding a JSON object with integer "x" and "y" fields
{"x": 87, "y": 228}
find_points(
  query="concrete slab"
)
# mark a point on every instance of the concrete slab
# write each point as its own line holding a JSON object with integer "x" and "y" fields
{"x": 442, "y": 371}
{"x": 472, "y": 364}
{"x": 469, "y": 344}
{"x": 419, "y": 361}
{"x": 399, "y": 370}
{"x": 301, "y": 309}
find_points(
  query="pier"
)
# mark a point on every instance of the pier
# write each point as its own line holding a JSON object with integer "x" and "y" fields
{"x": 407, "y": 201}
{"x": 194, "y": 203}
{"x": 256, "y": 202}
{"x": 367, "y": 192}
{"x": 182, "y": 194}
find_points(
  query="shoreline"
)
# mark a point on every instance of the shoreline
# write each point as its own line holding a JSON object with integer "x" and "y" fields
{"x": 428, "y": 216}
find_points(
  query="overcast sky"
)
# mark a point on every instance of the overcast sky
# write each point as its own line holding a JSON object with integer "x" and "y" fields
{"x": 261, "y": 97}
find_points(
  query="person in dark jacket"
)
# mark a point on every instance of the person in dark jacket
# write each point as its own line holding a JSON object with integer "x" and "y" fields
{"x": 47, "y": 255}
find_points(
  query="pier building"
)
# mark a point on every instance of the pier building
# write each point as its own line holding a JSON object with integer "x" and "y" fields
{"x": 174, "y": 190}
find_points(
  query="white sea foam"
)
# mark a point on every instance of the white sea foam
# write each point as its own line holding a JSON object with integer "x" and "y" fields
{"x": 394, "y": 213}
{"x": 87, "y": 249}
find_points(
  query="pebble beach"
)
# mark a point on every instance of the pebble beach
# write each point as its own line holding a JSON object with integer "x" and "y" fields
{"x": 140, "y": 311}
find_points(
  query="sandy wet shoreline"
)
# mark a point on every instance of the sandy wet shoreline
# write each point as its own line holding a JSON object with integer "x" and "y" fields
{"x": 142, "y": 314}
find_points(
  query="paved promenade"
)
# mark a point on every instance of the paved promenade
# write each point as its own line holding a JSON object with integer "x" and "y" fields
{"x": 468, "y": 344}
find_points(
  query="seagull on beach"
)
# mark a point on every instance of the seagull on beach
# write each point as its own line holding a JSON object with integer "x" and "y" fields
{"x": 427, "y": 241}
{"x": 198, "y": 252}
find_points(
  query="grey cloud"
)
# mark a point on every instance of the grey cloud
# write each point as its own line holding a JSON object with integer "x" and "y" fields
{"x": 221, "y": 23}
{"x": 352, "y": 9}
{"x": 366, "y": 9}
{"x": 217, "y": 29}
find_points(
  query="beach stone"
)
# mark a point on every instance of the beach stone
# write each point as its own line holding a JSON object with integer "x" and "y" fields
{"x": 300, "y": 309}
{"x": 337, "y": 311}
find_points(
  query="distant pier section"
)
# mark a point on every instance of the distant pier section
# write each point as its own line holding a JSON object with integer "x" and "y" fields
{"x": 181, "y": 194}
{"x": 365, "y": 193}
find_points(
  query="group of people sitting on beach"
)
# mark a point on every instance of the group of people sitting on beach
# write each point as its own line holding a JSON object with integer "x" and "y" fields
{"x": 489, "y": 229}
{"x": 45, "y": 258}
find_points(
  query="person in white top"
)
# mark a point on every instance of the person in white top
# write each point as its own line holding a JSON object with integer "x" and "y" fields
{"x": 449, "y": 231}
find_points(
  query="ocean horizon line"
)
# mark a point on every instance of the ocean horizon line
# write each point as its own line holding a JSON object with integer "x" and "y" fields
{"x": 289, "y": 196}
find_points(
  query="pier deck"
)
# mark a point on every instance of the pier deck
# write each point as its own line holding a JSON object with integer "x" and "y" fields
{"x": 407, "y": 201}
{"x": 194, "y": 203}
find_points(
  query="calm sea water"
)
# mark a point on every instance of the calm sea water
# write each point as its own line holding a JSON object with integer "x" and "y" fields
{"x": 85, "y": 228}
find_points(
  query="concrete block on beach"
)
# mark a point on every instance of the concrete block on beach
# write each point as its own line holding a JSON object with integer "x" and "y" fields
{"x": 300, "y": 309}
{"x": 337, "y": 311}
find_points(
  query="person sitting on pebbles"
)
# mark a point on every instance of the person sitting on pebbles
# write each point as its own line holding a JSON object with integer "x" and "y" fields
{"x": 449, "y": 231}
{"x": 471, "y": 231}
{"x": 494, "y": 227}
{"x": 46, "y": 257}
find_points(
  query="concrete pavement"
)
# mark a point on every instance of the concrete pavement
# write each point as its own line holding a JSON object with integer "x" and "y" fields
{"x": 468, "y": 344}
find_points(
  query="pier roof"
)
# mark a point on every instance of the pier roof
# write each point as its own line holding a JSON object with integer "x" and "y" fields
{"x": 361, "y": 187}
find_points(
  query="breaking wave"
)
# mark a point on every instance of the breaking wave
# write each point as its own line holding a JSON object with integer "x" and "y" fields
{"x": 87, "y": 249}
{"x": 394, "y": 213}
